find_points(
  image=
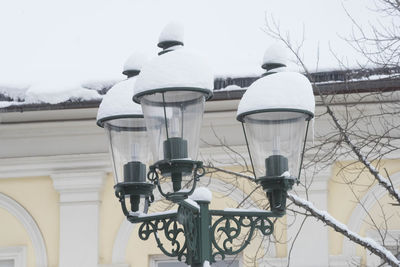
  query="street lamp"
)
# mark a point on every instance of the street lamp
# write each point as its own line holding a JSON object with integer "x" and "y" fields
{"x": 126, "y": 131}
{"x": 172, "y": 90}
{"x": 275, "y": 112}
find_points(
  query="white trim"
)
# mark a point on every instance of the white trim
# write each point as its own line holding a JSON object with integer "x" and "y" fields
{"x": 46, "y": 165}
{"x": 30, "y": 226}
{"x": 17, "y": 254}
{"x": 358, "y": 215}
{"x": 343, "y": 260}
{"x": 80, "y": 196}
{"x": 82, "y": 186}
{"x": 126, "y": 228}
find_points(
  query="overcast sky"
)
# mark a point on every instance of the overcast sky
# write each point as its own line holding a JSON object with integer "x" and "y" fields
{"x": 89, "y": 40}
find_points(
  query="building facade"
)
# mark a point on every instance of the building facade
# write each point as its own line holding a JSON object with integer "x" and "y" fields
{"x": 58, "y": 208}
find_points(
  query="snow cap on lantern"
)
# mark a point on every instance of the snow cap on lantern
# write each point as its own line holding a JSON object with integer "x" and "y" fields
{"x": 174, "y": 68}
{"x": 284, "y": 90}
{"x": 118, "y": 102}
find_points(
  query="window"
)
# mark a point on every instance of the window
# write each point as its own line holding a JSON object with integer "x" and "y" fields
{"x": 13, "y": 256}
{"x": 7, "y": 263}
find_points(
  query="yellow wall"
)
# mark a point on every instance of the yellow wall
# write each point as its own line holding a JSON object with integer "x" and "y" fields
{"x": 38, "y": 197}
{"x": 342, "y": 200}
{"x": 12, "y": 234}
{"x": 111, "y": 217}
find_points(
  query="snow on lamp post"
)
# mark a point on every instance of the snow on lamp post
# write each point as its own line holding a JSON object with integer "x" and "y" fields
{"x": 275, "y": 112}
{"x": 172, "y": 89}
{"x": 126, "y": 131}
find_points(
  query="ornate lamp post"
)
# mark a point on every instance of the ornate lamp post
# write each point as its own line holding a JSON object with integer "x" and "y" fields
{"x": 172, "y": 89}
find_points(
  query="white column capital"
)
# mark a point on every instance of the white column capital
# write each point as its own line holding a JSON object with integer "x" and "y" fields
{"x": 78, "y": 186}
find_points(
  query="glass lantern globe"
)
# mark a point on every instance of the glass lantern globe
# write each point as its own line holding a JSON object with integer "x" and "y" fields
{"x": 128, "y": 144}
{"x": 275, "y": 112}
{"x": 172, "y": 90}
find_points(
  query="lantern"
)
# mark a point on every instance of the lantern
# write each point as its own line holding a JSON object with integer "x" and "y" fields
{"x": 172, "y": 90}
{"x": 126, "y": 131}
{"x": 275, "y": 112}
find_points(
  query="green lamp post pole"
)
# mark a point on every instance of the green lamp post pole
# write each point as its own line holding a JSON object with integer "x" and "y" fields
{"x": 171, "y": 89}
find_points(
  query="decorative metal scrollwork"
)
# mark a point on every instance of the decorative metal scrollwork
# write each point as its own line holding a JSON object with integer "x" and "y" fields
{"x": 171, "y": 229}
{"x": 189, "y": 219}
{"x": 229, "y": 228}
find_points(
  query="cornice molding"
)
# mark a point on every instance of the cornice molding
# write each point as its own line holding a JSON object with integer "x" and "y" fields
{"x": 47, "y": 165}
{"x": 83, "y": 186}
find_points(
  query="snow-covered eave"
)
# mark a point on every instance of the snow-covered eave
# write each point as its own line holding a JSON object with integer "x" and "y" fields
{"x": 78, "y": 104}
{"x": 224, "y": 89}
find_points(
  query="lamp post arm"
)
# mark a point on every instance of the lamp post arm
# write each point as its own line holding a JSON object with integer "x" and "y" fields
{"x": 165, "y": 223}
{"x": 228, "y": 227}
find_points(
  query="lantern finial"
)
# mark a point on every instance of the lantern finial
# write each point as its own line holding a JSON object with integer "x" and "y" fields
{"x": 275, "y": 58}
{"x": 134, "y": 64}
{"x": 171, "y": 37}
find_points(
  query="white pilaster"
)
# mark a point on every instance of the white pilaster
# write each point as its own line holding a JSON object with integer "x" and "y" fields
{"x": 311, "y": 247}
{"x": 79, "y": 216}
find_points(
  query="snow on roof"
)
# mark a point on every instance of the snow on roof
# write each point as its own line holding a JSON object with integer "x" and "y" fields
{"x": 54, "y": 92}
{"x": 90, "y": 42}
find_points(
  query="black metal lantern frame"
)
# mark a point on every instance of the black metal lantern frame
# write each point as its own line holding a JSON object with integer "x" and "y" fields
{"x": 274, "y": 183}
{"x": 134, "y": 185}
{"x": 176, "y": 163}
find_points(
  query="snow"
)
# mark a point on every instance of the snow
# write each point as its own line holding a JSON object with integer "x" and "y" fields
{"x": 286, "y": 174}
{"x": 245, "y": 210}
{"x": 90, "y": 40}
{"x": 329, "y": 219}
{"x": 201, "y": 194}
{"x": 276, "y": 53}
{"x": 206, "y": 264}
{"x": 173, "y": 31}
{"x": 231, "y": 87}
{"x": 192, "y": 203}
{"x": 289, "y": 90}
{"x": 14, "y": 90}
{"x": 178, "y": 68}
{"x": 135, "y": 61}
{"x": 144, "y": 215}
{"x": 380, "y": 178}
{"x": 118, "y": 101}
{"x": 82, "y": 45}
{"x": 54, "y": 92}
